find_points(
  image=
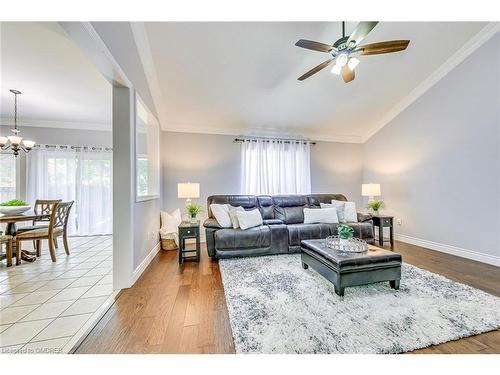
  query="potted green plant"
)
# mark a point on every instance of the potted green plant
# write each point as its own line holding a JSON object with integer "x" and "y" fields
{"x": 375, "y": 205}
{"x": 14, "y": 207}
{"x": 193, "y": 209}
{"x": 344, "y": 232}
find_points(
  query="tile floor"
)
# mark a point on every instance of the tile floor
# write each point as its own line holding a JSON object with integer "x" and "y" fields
{"x": 44, "y": 304}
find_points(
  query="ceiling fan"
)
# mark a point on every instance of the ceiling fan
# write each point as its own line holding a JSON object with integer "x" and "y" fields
{"x": 344, "y": 50}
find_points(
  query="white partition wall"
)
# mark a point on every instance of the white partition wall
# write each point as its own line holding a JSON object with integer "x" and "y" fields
{"x": 123, "y": 189}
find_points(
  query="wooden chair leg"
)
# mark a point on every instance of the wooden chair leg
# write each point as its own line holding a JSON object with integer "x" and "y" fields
{"x": 38, "y": 248}
{"x": 18, "y": 252}
{"x": 8, "y": 250}
{"x": 66, "y": 246}
{"x": 34, "y": 244}
{"x": 52, "y": 250}
{"x": 56, "y": 245}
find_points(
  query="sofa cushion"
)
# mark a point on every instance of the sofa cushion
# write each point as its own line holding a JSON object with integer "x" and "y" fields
{"x": 256, "y": 237}
{"x": 246, "y": 201}
{"x": 265, "y": 203}
{"x": 314, "y": 200}
{"x": 289, "y": 208}
{"x": 290, "y": 215}
{"x": 299, "y": 232}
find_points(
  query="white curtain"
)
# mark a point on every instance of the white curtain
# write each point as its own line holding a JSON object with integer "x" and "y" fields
{"x": 94, "y": 193}
{"x": 8, "y": 176}
{"x": 78, "y": 175}
{"x": 275, "y": 167}
{"x": 52, "y": 175}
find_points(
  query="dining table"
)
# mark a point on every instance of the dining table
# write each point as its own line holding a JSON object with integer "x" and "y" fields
{"x": 11, "y": 228}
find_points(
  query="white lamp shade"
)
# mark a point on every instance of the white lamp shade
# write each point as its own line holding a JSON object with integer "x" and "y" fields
{"x": 3, "y": 140}
{"x": 15, "y": 140}
{"x": 370, "y": 190}
{"x": 28, "y": 144}
{"x": 188, "y": 190}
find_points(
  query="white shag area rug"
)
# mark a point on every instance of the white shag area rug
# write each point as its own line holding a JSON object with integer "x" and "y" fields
{"x": 275, "y": 306}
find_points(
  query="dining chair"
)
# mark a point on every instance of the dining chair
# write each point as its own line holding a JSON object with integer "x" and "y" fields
{"x": 58, "y": 226}
{"x": 7, "y": 241}
{"x": 42, "y": 206}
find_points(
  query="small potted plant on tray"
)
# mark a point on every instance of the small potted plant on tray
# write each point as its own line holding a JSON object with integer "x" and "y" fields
{"x": 344, "y": 232}
{"x": 193, "y": 209}
{"x": 14, "y": 207}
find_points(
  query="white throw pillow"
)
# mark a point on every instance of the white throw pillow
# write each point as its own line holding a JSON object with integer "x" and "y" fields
{"x": 170, "y": 222}
{"x": 232, "y": 214}
{"x": 339, "y": 205}
{"x": 221, "y": 214}
{"x": 350, "y": 212}
{"x": 320, "y": 215}
{"x": 249, "y": 219}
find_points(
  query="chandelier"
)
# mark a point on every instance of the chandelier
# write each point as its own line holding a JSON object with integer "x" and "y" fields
{"x": 15, "y": 141}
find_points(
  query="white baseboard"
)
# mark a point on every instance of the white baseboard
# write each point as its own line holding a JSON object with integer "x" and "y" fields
{"x": 449, "y": 249}
{"x": 141, "y": 267}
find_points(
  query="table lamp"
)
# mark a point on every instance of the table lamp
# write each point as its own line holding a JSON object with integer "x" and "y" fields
{"x": 370, "y": 190}
{"x": 188, "y": 190}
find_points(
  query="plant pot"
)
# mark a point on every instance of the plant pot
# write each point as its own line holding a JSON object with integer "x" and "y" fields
{"x": 193, "y": 220}
{"x": 13, "y": 210}
{"x": 375, "y": 213}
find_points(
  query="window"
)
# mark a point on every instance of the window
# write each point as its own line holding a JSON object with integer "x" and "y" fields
{"x": 147, "y": 154}
{"x": 8, "y": 177}
{"x": 275, "y": 167}
{"x": 83, "y": 176}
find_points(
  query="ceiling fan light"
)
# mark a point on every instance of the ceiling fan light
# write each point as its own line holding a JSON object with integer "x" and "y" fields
{"x": 341, "y": 60}
{"x": 336, "y": 69}
{"x": 353, "y": 63}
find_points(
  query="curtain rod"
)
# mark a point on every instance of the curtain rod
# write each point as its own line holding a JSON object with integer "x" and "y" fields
{"x": 93, "y": 148}
{"x": 255, "y": 139}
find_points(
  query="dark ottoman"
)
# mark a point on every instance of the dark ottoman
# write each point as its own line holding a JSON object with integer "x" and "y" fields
{"x": 350, "y": 269}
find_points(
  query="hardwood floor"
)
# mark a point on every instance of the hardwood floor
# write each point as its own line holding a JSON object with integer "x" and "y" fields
{"x": 182, "y": 309}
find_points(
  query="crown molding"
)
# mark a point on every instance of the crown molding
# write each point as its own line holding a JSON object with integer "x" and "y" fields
{"x": 255, "y": 131}
{"x": 465, "y": 51}
{"x": 72, "y": 125}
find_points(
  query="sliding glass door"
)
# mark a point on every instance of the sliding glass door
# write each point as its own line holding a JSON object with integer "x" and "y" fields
{"x": 80, "y": 175}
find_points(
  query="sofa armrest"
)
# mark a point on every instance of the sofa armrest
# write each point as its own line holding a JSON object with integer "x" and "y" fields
{"x": 362, "y": 217}
{"x": 212, "y": 223}
{"x": 272, "y": 221}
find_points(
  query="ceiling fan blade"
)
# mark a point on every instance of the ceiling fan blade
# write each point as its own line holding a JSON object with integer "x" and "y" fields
{"x": 384, "y": 47}
{"x": 361, "y": 31}
{"x": 315, "y": 70}
{"x": 315, "y": 46}
{"x": 347, "y": 74}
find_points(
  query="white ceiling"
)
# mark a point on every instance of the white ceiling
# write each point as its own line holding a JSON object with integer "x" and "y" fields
{"x": 229, "y": 78}
{"x": 60, "y": 86}
{"x": 242, "y": 77}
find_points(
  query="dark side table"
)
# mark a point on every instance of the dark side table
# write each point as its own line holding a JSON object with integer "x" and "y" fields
{"x": 384, "y": 221}
{"x": 188, "y": 230}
